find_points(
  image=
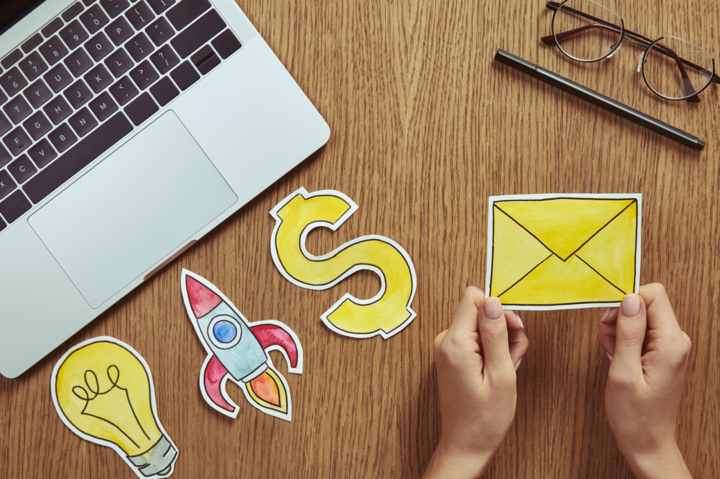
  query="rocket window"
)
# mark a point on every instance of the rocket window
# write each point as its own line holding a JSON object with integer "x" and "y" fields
{"x": 224, "y": 331}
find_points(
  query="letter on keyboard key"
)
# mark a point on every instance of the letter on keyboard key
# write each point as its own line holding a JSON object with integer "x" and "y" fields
{"x": 144, "y": 75}
{"x": 226, "y": 44}
{"x": 37, "y": 125}
{"x": 22, "y": 169}
{"x": 141, "y": 109}
{"x": 123, "y": 90}
{"x": 42, "y": 153}
{"x": 17, "y": 141}
{"x": 74, "y": 34}
{"x": 79, "y": 62}
{"x": 103, "y": 106}
{"x": 38, "y": 93}
{"x": 57, "y": 110}
{"x": 82, "y": 122}
{"x": 6, "y": 184}
{"x": 53, "y": 50}
{"x": 94, "y": 19}
{"x": 78, "y": 94}
{"x": 17, "y": 109}
{"x": 139, "y": 47}
{"x": 186, "y": 12}
{"x": 114, "y": 7}
{"x": 198, "y": 34}
{"x": 62, "y": 138}
{"x": 164, "y": 59}
{"x": 98, "y": 78}
{"x": 161, "y": 5}
{"x": 58, "y": 78}
{"x": 99, "y": 46}
{"x": 12, "y": 81}
{"x": 140, "y": 15}
{"x": 14, "y": 206}
{"x": 119, "y": 31}
{"x": 185, "y": 75}
{"x": 165, "y": 91}
{"x": 33, "y": 66}
{"x": 119, "y": 62}
{"x": 84, "y": 153}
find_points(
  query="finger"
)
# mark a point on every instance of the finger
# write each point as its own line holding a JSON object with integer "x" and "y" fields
{"x": 518, "y": 345}
{"x": 630, "y": 334}
{"x": 466, "y": 315}
{"x": 494, "y": 338}
{"x": 610, "y": 316}
{"x": 513, "y": 320}
{"x": 660, "y": 314}
{"x": 606, "y": 338}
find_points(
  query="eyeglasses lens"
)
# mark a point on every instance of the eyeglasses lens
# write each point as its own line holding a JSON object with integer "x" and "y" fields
{"x": 677, "y": 69}
{"x": 586, "y": 31}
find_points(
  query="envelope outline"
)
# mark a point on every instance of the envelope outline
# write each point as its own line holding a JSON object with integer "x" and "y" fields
{"x": 600, "y": 300}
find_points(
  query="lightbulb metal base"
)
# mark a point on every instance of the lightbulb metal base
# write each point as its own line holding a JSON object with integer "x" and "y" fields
{"x": 157, "y": 461}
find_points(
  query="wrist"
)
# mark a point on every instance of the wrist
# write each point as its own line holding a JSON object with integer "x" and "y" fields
{"x": 664, "y": 463}
{"x": 446, "y": 462}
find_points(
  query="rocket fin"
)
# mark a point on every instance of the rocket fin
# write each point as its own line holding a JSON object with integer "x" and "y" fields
{"x": 271, "y": 335}
{"x": 212, "y": 381}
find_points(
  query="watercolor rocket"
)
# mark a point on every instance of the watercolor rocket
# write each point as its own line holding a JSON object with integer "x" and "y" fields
{"x": 237, "y": 350}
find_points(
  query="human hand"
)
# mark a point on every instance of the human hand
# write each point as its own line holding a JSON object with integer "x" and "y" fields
{"x": 476, "y": 362}
{"x": 648, "y": 353}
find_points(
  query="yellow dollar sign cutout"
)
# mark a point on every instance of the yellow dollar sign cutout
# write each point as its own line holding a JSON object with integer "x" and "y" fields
{"x": 388, "y": 312}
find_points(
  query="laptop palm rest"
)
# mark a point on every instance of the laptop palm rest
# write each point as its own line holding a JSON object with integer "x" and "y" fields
{"x": 132, "y": 209}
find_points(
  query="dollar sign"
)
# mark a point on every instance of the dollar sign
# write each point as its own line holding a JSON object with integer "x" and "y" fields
{"x": 388, "y": 312}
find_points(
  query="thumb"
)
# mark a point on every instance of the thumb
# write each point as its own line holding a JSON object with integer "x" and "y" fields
{"x": 630, "y": 332}
{"x": 494, "y": 337}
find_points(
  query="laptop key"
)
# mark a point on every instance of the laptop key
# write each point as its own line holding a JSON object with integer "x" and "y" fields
{"x": 17, "y": 141}
{"x": 32, "y": 42}
{"x": 12, "y": 58}
{"x": 185, "y": 13}
{"x": 123, "y": 90}
{"x": 88, "y": 2}
{"x": 5, "y": 125}
{"x": 144, "y": 75}
{"x": 103, "y": 106}
{"x": 226, "y": 44}
{"x": 22, "y": 169}
{"x": 161, "y": 5}
{"x": 160, "y": 31}
{"x": 3, "y": 97}
{"x": 99, "y": 46}
{"x": 33, "y": 66}
{"x": 74, "y": 34}
{"x": 165, "y": 59}
{"x": 83, "y": 122}
{"x": 62, "y": 137}
{"x": 141, "y": 109}
{"x": 72, "y": 12}
{"x": 17, "y": 109}
{"x": 164, "y": 91}
{"x": 58, "y": 78}
{"x": 14, "y": 206}
{"x": 38, "y": 94}
{"x": 57, "y": 110}
{"x": 13, "y": 81}
{"x": 79, "y": 62}
{"x": 119, "y": 62}
{"x": 5, "y": 157}
{"x": 198, "y": 34}
{"x": 185, "y": 75}
{"x": 140, "y": 15}
{"x": 52, "y": 27}
{"x": 53, "y": 50}
{"x": 7, "y": 185}
{"x": 42, "y": 153}
{"x": 37, "y": 125}
{"x": 205, "y": 59}
{"x": 119, "y": 31}
{"x": 78, "y": 94}
{"x": 139, "y": 47}
{"x": 98, "y": 78}
{"x": 84, "y": 153}
{"x": 114, "y": 7}
{"x": 2, "y": 224}
{"x": 94, "y": 19}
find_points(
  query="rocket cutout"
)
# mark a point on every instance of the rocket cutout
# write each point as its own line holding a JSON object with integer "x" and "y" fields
{"x": 237, "y": 350}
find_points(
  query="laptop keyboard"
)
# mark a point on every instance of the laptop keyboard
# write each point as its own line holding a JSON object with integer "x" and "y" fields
{"x": 89, "y": 78}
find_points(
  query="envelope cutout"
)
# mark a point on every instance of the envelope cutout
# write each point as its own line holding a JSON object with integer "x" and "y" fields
{"x": 563, "y": 251}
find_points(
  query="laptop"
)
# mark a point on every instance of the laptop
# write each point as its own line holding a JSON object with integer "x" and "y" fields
{"x": 128, "y": 130}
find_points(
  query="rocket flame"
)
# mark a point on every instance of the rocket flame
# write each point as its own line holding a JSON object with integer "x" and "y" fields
{"x": 268, "y": 391}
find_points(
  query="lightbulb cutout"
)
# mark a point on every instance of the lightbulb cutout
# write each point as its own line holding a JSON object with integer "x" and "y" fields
{"x": 103, "y": 391}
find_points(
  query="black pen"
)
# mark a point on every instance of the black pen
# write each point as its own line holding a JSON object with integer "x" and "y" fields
{"x": 600, "y": 100}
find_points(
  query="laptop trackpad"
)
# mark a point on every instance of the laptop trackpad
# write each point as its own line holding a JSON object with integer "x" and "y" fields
{"x": 131, "y": 210}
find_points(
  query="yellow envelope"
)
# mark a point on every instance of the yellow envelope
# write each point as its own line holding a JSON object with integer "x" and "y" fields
{"x": 563, "y": 251}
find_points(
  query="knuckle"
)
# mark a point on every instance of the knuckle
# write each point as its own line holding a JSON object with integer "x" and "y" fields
{"x": 447, "y": 352}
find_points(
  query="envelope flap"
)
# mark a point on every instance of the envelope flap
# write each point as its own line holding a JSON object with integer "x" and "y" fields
{"x": 563, "y": 225}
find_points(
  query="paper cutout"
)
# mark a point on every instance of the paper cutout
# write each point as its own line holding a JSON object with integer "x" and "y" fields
{"x": 237, "y": 350}
{"x": 103, "y": 391}
{"x": 569, "y": 251}
{"x": 388, "y": 312}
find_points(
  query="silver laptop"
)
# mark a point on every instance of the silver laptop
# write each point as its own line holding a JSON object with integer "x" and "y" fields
{"x": 128, "y": 130}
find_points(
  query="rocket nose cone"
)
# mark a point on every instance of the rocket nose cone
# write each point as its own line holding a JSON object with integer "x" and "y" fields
{"x": 202, "y": 299}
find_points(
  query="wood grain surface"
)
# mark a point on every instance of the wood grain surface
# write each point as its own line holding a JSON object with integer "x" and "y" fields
{"x": 425, "y": 126}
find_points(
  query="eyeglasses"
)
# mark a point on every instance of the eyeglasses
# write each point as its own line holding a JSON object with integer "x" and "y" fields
{"x": 672, "y": 68}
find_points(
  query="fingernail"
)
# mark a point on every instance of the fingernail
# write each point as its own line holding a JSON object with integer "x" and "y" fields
{"x": 605, "y": 315}
{"x": 631, "y": 305}
{"x": 608, "y": 355}
{"x": 493, "y": 308}
{"x": 520, "y": 321}
{"x": 517, "y": 364}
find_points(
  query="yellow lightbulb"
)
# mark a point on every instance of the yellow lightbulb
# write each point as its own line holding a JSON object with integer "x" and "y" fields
{"x": 103, "y": 392}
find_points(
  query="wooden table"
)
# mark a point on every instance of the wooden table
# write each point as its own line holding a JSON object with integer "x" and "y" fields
{"x": 425, "y": 126}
